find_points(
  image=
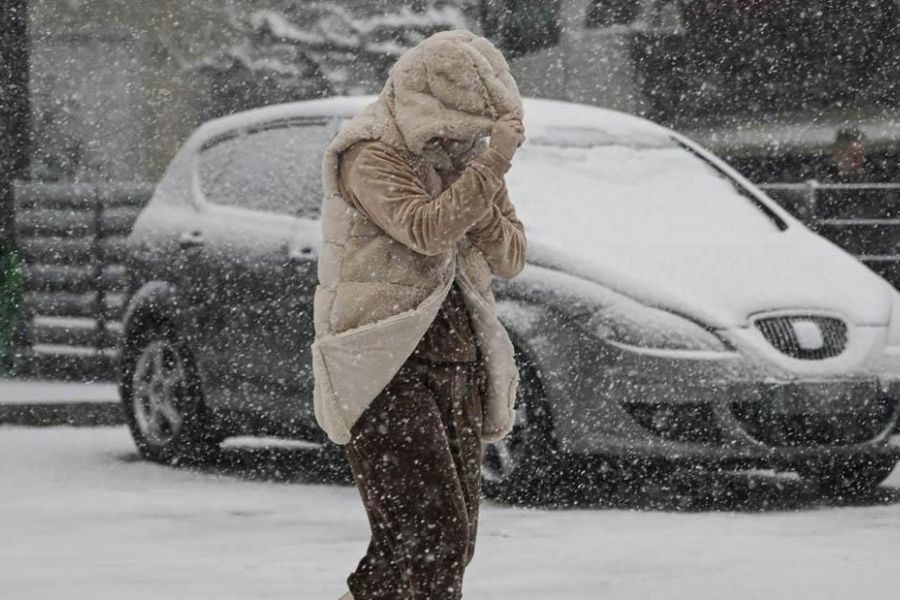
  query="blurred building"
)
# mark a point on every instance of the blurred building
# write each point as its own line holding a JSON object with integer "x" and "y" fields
{"x": 117, "y": 85}
{"x": 767, "y": 83}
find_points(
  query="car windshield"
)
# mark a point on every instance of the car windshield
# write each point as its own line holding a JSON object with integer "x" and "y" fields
{"x": 599, "y": 187}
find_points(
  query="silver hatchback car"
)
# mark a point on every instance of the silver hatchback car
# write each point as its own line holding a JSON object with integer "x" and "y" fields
{"x": 670, "y": 312}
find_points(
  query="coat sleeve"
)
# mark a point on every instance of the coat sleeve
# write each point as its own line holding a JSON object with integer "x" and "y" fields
{"x": 501, "y": 237}
{"x": 388, "y": 191}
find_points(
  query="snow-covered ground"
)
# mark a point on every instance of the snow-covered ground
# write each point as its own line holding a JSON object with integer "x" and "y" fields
{"x": 83, "y": 518}
{"x": 26, "y": 391}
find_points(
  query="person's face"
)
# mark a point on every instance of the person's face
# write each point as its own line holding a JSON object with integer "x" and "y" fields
{"x": 454, "y": 148}
{"x": 850, "y": 157}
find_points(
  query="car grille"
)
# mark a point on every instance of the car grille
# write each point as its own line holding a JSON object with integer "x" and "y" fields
{"x": 781, "y": 332}
{"x": 681, "y": 422}
{"x": 763, "y": 423}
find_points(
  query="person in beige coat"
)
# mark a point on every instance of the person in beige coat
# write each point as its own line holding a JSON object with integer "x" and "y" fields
{"x": 413, "y": 370}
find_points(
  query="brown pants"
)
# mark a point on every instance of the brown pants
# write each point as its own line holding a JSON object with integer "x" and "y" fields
{"x": 416, "y": 457}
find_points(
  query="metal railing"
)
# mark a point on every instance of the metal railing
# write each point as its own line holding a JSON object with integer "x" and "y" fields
{"x": 861, "y": 218}
{"x": 71, "y": 240}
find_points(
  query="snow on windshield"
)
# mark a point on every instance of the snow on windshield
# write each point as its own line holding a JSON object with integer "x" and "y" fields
{"x": 588, "y": 188}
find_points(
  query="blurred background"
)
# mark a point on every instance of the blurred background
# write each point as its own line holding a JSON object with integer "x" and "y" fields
{"x": 115, "y": 86}
{"x": 101, "y": 93}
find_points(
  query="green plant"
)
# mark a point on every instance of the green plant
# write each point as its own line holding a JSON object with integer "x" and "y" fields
{"x": 11, "y": 296}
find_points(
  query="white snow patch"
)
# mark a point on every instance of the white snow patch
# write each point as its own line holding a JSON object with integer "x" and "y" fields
{"x": 64, "y": 350}
{"x": 65, "y": 322}
{"x": 24, "y": 391}
{"x": 264, "y": 442}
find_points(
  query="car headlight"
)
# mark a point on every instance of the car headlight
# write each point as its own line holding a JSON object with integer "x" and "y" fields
{"x": 630, "y": 323}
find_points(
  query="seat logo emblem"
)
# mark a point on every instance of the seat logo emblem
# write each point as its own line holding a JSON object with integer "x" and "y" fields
{"x": 809, "y": 335}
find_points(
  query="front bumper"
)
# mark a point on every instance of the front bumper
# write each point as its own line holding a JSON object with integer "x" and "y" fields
{"x": 595, "y": 392}
{"x": 777, "y": 425}
{"x": 786, "y": 459}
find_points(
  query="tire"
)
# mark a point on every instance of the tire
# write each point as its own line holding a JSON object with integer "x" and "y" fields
{"x": 525, "y": 467}
{"x": 163, "y": 400}
{"x": 856, "y": 477}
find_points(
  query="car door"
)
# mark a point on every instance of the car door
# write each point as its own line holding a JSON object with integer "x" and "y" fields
{"x": 260, "y": 199}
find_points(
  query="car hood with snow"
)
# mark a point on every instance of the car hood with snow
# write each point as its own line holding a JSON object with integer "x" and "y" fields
{"x": 633, "y": 206}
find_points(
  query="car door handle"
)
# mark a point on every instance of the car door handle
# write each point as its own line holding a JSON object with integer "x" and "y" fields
{"x": 193, "y": 239}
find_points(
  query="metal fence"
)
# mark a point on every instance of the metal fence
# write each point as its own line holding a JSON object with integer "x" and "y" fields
{"x": 71, "y": 239}
{"x": 863, "y": 219}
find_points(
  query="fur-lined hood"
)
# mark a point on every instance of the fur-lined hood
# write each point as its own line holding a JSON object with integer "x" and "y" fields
{"x": 454, "y": 84}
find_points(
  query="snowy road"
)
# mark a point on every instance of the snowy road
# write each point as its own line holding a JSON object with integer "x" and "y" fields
{"x": 83, "y": 518}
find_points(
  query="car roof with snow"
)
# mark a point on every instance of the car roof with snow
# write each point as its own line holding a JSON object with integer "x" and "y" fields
{"x": 547, "y": 120}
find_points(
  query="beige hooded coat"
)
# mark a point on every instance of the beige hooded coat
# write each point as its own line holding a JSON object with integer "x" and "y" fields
{"x": 378, "y": 294}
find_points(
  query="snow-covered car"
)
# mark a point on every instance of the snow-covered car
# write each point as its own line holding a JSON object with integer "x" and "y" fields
{"x": 669, "y": 311}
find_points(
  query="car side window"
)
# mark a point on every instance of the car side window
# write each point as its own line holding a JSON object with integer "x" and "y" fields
{"x": 275, "y": 167}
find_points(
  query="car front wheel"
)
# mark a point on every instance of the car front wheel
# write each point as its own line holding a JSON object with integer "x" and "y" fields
{"x": 163, "y": 401}
{"x": 525, "y": 466}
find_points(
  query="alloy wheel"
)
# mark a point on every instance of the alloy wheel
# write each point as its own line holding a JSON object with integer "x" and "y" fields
{"x": 159, "y": 384}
